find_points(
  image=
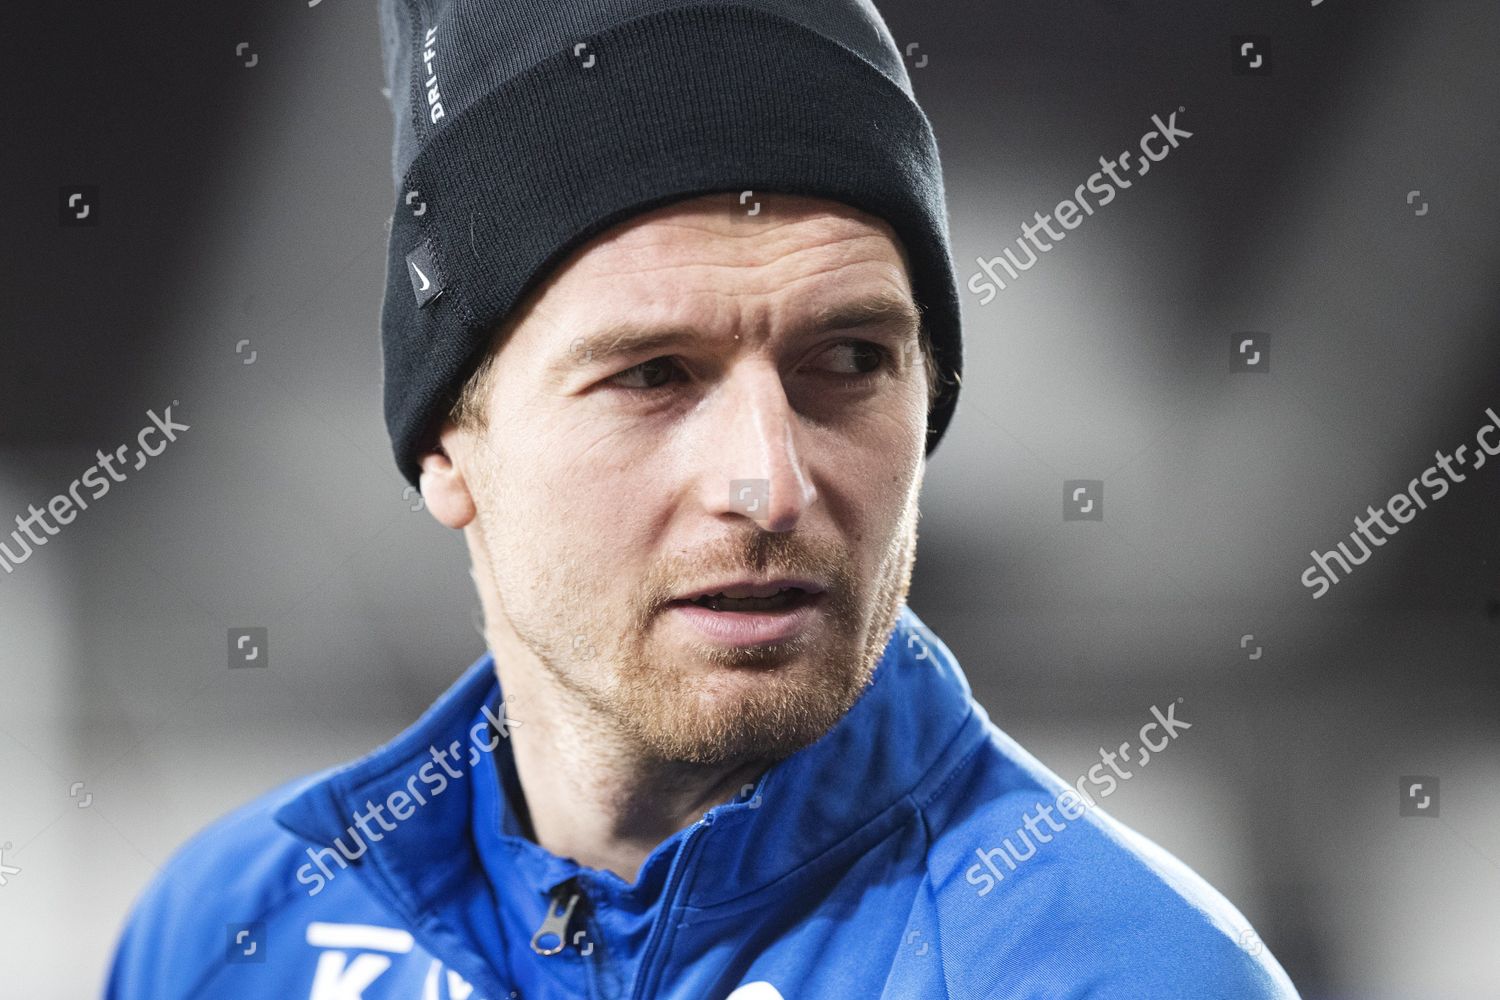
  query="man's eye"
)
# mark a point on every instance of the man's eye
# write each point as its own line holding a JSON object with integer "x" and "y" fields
{"x": 652, "y": 372}
{"x": 874, "y": 357}
{"x": 867, "y": 359}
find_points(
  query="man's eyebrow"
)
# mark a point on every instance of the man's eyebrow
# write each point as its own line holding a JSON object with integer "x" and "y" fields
{"x": 884, "y": 309}
{"x": 627, "y": 337}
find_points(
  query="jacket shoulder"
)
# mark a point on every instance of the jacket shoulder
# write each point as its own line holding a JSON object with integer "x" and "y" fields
{"x": 238, "y": 871}
{"x": 1029, "y": 878}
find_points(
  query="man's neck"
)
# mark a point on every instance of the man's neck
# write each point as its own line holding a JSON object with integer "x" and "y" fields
{"x": 588, "y": 795}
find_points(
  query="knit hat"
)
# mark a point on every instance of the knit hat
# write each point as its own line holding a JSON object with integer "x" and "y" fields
{"x": 523, "y": 129}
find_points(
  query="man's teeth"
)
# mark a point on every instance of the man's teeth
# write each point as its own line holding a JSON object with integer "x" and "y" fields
{"x": 718, "y": 602}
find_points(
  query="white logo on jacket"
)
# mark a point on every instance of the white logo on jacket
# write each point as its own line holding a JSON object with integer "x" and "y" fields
{"x": 758, "y": 990}
{"x": 344, "y": 976}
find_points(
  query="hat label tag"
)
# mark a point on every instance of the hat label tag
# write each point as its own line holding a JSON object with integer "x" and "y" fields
{"x": 425, "y": 283}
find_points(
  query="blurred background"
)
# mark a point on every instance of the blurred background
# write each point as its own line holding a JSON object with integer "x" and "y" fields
{"x": 1338, "y": 199}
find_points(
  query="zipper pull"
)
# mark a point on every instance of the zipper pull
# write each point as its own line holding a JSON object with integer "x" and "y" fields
{"x": 555, "y": 923}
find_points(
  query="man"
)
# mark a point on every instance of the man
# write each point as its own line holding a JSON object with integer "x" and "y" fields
{"x": 669, "y": 340}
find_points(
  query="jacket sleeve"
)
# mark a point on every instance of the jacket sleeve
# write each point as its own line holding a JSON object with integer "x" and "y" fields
{"x": 175, "y": 938}
{"x": 140, "y": 968}
{"x": 1093, "y": 912}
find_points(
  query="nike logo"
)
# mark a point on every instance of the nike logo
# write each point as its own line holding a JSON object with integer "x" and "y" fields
{"x": 418, "y": 263}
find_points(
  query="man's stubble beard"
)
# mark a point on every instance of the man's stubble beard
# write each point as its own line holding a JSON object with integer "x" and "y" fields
{"x": 667, "y": 707}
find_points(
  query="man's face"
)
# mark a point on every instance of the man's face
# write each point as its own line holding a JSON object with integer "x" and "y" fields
{"x": 602, "y": 483}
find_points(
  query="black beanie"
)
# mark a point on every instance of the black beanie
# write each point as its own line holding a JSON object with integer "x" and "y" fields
{"x": 524, "y": 128}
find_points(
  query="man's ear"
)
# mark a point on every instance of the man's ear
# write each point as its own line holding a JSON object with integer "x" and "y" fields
{"x": 443, "y": 484}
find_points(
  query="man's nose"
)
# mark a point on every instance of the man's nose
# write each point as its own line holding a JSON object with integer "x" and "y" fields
{"x": 753, "y": 464}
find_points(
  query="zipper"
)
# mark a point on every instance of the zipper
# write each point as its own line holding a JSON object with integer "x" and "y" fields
{"x": 555, "y": 923}
{"x": 669, "y": 899}
{"x": 562, "y": 904}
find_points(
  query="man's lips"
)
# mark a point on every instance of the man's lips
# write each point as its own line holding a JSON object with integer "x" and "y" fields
{"x": 749, "y": 625}
{"x": 751, "y": 587}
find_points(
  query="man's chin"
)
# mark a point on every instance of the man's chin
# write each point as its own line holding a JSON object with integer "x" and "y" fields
{"x": 716, "y": 714}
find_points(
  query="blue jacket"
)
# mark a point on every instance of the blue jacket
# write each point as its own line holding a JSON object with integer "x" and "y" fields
{"x": 902, "y": 855}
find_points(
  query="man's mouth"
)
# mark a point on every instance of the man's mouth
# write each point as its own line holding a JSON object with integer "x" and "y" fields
{"x": 747, "y": 594}
{"x": 785, "y": 599}
{"x": 748, "y": 612}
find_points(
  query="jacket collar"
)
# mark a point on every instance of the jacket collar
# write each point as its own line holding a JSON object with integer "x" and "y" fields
{"x": 865, "y": 776}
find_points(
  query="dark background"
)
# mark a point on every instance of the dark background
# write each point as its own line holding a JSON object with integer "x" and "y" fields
{"x": 249, "y": 203}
